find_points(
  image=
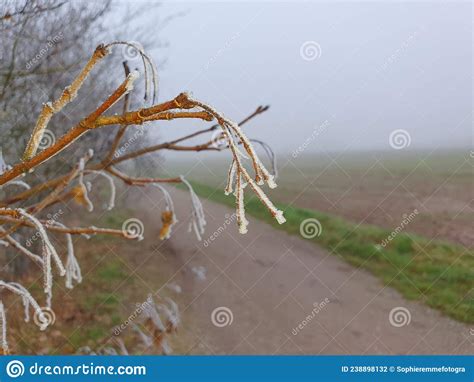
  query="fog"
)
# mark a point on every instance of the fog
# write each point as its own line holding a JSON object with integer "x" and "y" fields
{"x": 338, "y": 76}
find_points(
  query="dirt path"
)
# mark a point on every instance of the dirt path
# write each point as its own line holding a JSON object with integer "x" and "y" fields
{"x": 270, "y": 282}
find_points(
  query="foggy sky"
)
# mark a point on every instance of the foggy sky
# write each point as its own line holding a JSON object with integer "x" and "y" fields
{"x": 378, "y": 67}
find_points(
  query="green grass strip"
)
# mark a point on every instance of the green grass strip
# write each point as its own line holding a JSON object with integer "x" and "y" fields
{"x": 438, "y": 273}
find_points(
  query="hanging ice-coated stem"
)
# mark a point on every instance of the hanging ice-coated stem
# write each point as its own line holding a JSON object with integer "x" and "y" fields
{"x": 198, "y": 219}
{"x": 111, "y": 203}
{"x": 3, "y": 323}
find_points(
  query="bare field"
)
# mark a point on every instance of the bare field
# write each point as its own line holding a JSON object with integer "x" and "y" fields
{"x": 376, "y": 188}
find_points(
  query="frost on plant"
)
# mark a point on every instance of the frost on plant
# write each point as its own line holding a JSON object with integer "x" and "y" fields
{"x": 25, "y": 201}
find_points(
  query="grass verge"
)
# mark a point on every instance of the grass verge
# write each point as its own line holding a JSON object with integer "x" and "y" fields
{"x": 437, "y": 273}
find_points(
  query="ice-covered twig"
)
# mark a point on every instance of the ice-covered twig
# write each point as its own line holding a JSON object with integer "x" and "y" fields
{"x": 111, "y": 203}
{"x": 17, "y": 183}
{"x": 48, "y": 252}
{"x": 28, "y": 300}
{"x": 5, "y": 167}
{"x": 67, "y": 96}
{"x": 9, "y": 240}
{"x": 147, "y": 62}
{"x": 198, "y": 219}
{"x": 73, "y": 270}
{"x": 270, "y": 154}
{"x": 83, "y": 195}
{"x": 3, "y": 323}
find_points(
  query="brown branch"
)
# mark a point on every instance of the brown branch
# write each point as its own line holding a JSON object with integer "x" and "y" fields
{"x": 123, "y": 128}
{"x": 140, "y": 181}
{"x": 137, "y": 118}
{"x": 68, "y": 95}
{"x": 172, "y": 144}
{"x": 72, "y": 230}
{"x": 54, "y": 182}
{"x": 67, "y": 138}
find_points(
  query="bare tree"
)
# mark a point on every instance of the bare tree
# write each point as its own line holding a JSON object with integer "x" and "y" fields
{"x": 24, "y": 209}
{"x": 44, "y": 42}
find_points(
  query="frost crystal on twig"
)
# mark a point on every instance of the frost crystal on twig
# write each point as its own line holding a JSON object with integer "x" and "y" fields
{"x": 148, "y": 64}
{"x": 82, "y": 195}
{"x": 73, "y": 185}
{"x": 235, "y": 136}
{"x": 3, "y": 323}
{"x": 9, "y": 240}
{"x": 28, "y": 301}
{"x": 198, "y": 219}
{"x": 111, "y": 203}
{"x": 3, "y": 166}
{"x": 48, "y": 252}
{"x": 73, "y": 270}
